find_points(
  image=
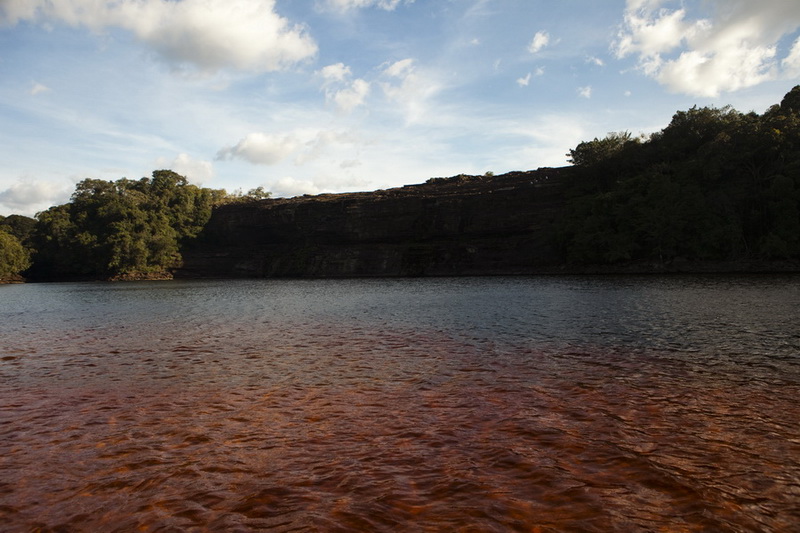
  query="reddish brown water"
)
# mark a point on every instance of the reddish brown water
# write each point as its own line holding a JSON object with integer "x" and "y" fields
{"x": 232, "y": 418}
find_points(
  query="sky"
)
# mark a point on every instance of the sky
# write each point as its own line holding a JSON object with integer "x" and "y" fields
{"x": 312, "y": 96}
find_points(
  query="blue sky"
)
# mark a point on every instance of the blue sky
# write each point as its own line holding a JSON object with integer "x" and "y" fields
{"x": 311, "y": 96}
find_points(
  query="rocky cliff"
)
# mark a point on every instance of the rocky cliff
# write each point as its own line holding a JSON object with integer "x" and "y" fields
{"x": 464, "y": 225}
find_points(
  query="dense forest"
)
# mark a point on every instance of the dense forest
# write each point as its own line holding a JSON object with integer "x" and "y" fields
{"x": 714, "y": 185}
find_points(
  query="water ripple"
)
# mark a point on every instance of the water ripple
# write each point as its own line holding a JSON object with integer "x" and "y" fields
{"x": 241, "y": 418}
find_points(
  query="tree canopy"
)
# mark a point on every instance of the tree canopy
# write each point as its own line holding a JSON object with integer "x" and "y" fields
{"x": 598, "y": 150}
{"x": 19, "y": 226}
{"x": 715, "y": 184}
{"x": 119, "y": 229}
{"x": 14, "y": 258}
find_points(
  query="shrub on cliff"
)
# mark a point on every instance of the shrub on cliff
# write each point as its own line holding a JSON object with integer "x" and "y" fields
{"x": 238, "y": 197}
{"x": 598, "y": 150}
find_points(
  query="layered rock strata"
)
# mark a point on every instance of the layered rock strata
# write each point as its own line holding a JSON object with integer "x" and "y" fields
{"x": 464, "y": 225}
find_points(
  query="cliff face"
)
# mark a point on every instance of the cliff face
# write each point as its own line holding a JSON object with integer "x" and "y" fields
{"x": 454, "y": 226}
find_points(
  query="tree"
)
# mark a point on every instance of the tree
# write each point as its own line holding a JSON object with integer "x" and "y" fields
{"x": 122, "y": 228}
{"x": 14, "y": 258}
{"x": 598, "y": 150}
{"x": 689, "y": 131}
{"x": 714, "y": 184}
{"x": 238, "y": 197}
{"x": 19, "y": 226}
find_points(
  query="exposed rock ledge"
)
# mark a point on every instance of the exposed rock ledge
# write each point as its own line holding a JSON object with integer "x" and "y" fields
{"x": 465, "y": 225}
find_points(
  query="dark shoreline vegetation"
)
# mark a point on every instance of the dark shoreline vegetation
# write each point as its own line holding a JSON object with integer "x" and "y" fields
{"x": 716, "y": 190}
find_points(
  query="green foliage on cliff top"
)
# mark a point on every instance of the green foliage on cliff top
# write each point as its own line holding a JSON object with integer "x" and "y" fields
{"x": 715, "y": 184}
{"x": 598, "y": 150}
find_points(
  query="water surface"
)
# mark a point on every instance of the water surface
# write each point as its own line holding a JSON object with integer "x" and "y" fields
{"x": 492, "y": 404}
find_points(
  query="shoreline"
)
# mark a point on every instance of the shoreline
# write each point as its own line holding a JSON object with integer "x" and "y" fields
{"x": 681, "y": 268}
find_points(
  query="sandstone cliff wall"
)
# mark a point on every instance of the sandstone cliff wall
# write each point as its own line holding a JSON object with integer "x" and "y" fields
{"x": 450, "y": 226}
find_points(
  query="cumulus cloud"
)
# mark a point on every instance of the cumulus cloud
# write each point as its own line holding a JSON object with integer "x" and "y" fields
{"x": 208, "y": 34}
{"x": 270, "y": 149}
{"x": 338, "y": 72}
{"x": 196, "y": 171}
{"x": 733, "y": 49}
{"x": 28, "y": 196}
{"x": 353, "y": 96}
{"x": 540, "y": 40}
{"x": 585, "y": 92}
{"x": 261, "y": 148}
{"x": 339, "y": 89}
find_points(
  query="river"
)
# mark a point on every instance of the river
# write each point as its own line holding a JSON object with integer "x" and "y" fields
{"x": 537, "y": 404}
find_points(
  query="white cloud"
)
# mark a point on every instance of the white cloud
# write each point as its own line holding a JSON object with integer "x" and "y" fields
{"x": 345, "y": 5}
{"x": 261, "y": 148}
{"x": 324, "y": 180}
{"x": 320, "y": 142}
{"x": 524, "y": 81}
{"x": 540, "y": 40}
{"x": 595, "y": 61}
{"x": 543, "y": 139}
{"x": 400, "y": 69}
{"x": 28, "y": 196}
{"x": 651, "y": 33}
{"x": 414, "y": 90}
{"x": 345, "y": 94}
{"x": 585, "y": 92}
{"x": 38, "y": 88}
{"x": 288, "y": 187}
{"x": 351, "y": 97}
{"x": 271, "y": 149}
{"x": 208, "y": 34}
{"x": 335, "y": 73}
{"x": 733, "y": 49}
{"x": 791, "y": 63}
{"x": 196, "y": 171}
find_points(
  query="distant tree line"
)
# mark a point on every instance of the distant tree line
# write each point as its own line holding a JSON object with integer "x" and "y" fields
{"x": 715, "y": 184}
